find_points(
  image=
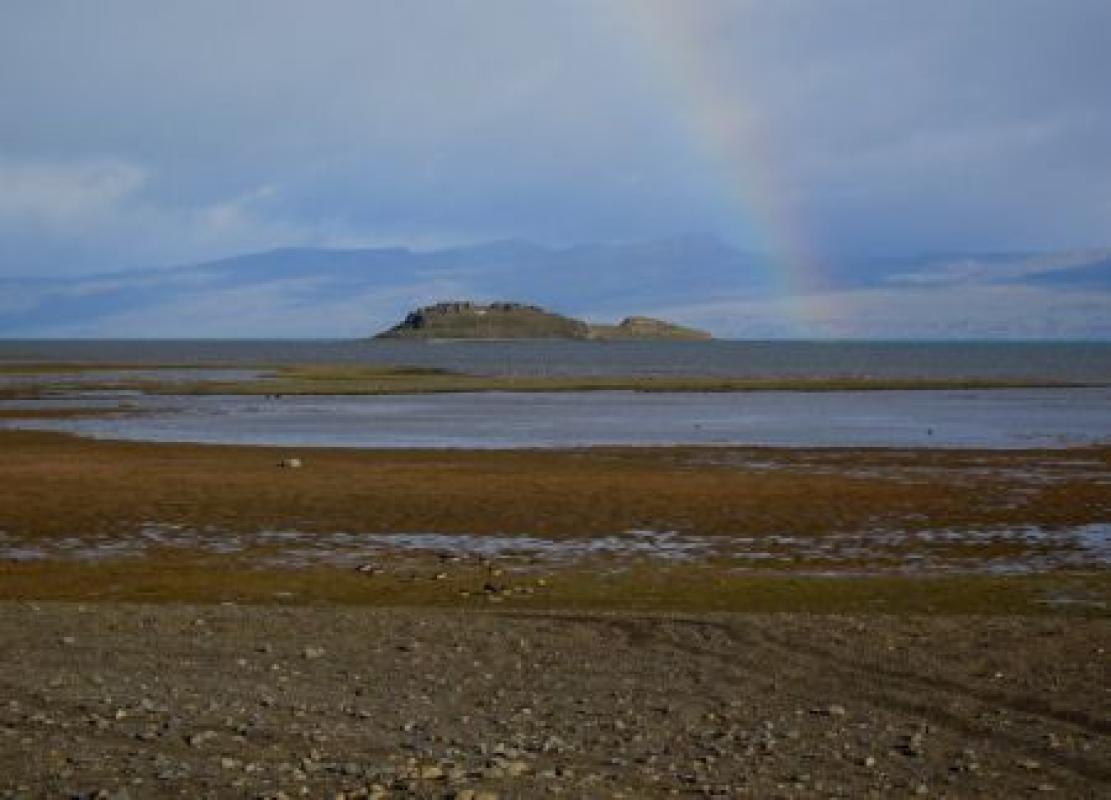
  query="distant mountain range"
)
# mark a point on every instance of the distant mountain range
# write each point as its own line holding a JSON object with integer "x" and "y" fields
{"x": 694, "y": 280}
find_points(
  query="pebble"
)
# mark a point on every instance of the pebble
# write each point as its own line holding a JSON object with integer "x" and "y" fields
{"x": 445, "y": 711}
{"x": 198, "y": 739}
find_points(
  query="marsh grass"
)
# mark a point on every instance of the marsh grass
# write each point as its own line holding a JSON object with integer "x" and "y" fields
{"x": 370, "y": 380}
{"x": 390, "y": 380}
{"x": 171, "y": 579}
{"x": 55, "y": 486}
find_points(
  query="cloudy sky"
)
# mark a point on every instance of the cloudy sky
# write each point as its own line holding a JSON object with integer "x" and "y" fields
{"x": 142, "y": 134}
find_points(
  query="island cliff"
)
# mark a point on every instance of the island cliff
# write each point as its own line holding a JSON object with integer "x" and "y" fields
{"x": 468, "y": 320}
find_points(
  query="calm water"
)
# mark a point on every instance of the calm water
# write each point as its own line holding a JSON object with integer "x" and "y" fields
{"x": 1010, "y": 418}
{"x": 1056, "y": 360}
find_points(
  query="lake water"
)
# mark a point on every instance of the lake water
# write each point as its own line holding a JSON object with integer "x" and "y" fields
{"x": 998, "y": 418}
{"x": 1001, "y": 418}
{"x": 1085, "y": 361}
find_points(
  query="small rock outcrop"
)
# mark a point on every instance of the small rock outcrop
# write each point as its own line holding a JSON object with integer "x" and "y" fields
{"x": 646, "y": 328}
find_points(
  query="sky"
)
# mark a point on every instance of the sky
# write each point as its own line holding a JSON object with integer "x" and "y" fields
{"x": 137, "y": 134}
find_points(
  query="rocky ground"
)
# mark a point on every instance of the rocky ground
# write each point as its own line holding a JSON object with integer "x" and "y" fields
{"x": 118, "y": 700}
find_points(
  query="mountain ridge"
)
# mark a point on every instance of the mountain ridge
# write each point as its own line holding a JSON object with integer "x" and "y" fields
{"x": 696, "y": 280}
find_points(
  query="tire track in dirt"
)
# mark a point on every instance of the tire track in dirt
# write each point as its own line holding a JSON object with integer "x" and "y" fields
{"x": 819, "y": 672}
{"x": 1019, "y": 704}
{"x": 901, "y": 692}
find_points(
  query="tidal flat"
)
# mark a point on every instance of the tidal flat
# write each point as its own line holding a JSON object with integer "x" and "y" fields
{"x": 213, "y": 620}
{"x": 84, "y": 519}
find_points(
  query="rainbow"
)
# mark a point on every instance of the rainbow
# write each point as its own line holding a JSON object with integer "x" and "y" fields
{"x": 730, "y": 139}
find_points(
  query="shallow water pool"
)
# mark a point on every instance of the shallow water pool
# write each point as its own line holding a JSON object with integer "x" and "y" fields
{"x": 999, "y": 418}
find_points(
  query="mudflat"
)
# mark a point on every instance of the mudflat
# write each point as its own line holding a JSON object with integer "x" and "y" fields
{"x": 664, "y": 529}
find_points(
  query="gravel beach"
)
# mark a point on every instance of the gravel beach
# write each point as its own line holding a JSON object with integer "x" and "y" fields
{"x": 239, "y": 701}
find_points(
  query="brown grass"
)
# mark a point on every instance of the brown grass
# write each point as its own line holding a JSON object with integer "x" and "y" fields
{"x": 391, "y": 379}
{"x": 680, "y": 588}
{"x": 364, "y": 380}
{"x": 54, "y": 485}
{"x": 51, "y": 484}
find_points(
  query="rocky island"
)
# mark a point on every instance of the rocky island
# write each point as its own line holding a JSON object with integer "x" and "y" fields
{"x": 468, "y": 320}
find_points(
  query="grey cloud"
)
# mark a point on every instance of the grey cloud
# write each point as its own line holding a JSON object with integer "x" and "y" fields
{"x": 137, "y": 133}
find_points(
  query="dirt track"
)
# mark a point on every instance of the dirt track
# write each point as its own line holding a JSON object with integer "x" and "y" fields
{"x": 230, "y": 701}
